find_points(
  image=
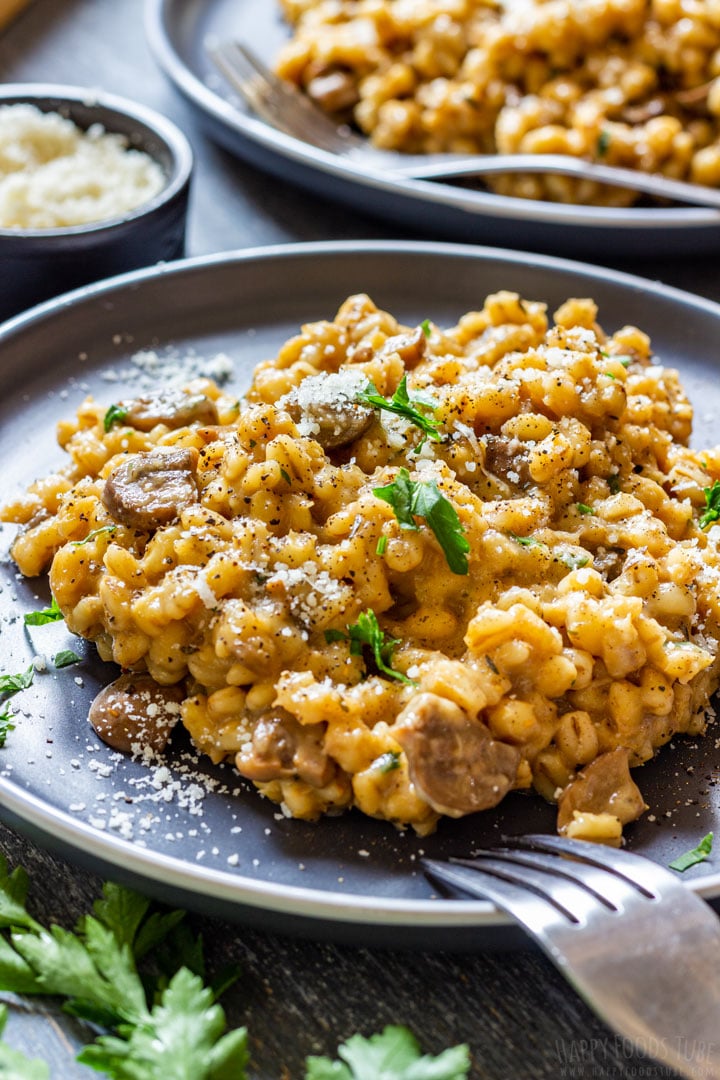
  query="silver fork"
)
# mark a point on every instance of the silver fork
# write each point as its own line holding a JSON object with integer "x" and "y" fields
{"x": 637, "y": 944}
{"x": 284, "y": 107}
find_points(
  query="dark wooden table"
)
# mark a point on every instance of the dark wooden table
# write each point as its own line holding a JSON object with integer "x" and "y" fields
{"x": 518, "y": 1015}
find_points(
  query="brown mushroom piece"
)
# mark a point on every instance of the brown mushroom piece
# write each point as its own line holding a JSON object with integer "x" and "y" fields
{"x": 284, "y": 749}
{"x": 334, "y": 91}
{"x": 409, "y": 346}
{"x": 134, "y": 712}
{"x": 173, "y": 408}
{"x": 453, "y": 760}
{"x": 506, "y": 459}
{"x": 323, "y": 407}
{"x": 605, "y": 786}
{"x": 152, "y": 488}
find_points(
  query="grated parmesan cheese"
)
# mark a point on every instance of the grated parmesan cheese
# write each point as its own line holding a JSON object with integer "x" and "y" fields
{"x": 54, "y": 175}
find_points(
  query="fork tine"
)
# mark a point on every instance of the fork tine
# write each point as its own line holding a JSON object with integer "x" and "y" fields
{"x": 646, "y": 876}
{"x": 275, "y": 100}
{"x": 608, "y": 889}
{"x": 534, "y": 912}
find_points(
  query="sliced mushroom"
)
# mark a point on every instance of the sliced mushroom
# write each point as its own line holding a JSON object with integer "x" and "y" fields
{"x": 506, "y": 459}
{"x": 284, "y": 749}
{"x": 153, "y": 488}
{"x": 409, "y": 346}
{"x": 325, "y": 408}
{"x": 173, "y": 408}
{"x": 135, "y": 711}
{"x": 605, "y": 786}
{"x": 453, "y": 760}
{"x": 334, "y": 91}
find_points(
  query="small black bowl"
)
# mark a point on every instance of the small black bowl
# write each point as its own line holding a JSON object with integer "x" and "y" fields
{"x": 36, "y": 264}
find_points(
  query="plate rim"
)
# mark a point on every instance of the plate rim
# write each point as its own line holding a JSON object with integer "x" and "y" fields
{"x": 157, "y": 17}
{"x": 231, "y": 888}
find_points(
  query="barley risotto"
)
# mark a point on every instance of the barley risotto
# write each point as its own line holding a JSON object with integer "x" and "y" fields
{"x": 414, "y": 569}
{"x": 633, "y": 83}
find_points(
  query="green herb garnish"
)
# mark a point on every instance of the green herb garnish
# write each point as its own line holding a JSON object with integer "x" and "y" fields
{"x": 613, "y": 482}
{"x": 583, "y": 508}
{"x": 403, "y": 405}
{"x": 13, "y": 1064}
{"x": 381, "y": 545}
{"x": 95, "y": 532}
{"x": 46, "y": 615}
{"x": 6, "y": 726}
{"x": 65, "y": 658}
{"x": 527, "y": 541}
{"x": 366, "y": 632}
{"x": 286, "y": 476}
{"x": 603, "y": 143}
{"x": 139, "y": 974}
{"x": 13, "y": 684}
{"x": 712, "y": 505}
{"x": 394, "y": 1054}
{"x": 692, "y": 858}
{"x": 426, "y": 327}
{"x": 410, "y": 499}
{"x": 116, "y": 414}
{"x": 387, "y": 762}
{"x": 572, "y": 560}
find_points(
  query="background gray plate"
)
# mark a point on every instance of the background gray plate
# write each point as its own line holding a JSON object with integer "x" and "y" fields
{"x": 177, "y": 32}
{"x": 349, "y": 878}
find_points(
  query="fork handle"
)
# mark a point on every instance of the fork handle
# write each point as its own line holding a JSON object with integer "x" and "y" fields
{"x": 559, "y": 165}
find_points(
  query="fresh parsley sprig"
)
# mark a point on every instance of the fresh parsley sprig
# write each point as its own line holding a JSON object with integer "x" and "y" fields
{"x": 423, "y": 498}
{"x": 394, "y": 1054}
{"x": 366, "y": 632}
{"x": 156, "y": 1027}
{"x": 107, "y": 970}
{"x": 711, "y": 512}
{"x": 401, "y": 404}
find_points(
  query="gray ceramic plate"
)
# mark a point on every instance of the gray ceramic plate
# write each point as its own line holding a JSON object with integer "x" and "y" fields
{"x": 178, "y": 31}
{"x": 195, "y": 834}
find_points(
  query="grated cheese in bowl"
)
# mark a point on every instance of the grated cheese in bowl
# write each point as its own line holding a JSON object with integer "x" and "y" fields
{"x": 55, "y": 175}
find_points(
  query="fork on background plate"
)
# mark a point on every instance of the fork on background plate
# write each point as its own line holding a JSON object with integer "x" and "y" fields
{"x": 637, "y": 944}
{"x": 287, "y": 109}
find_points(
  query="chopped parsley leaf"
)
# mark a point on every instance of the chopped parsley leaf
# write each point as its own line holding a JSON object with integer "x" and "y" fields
{"x": 583, "y": 508}
{"x": 387, "y": 762}
{"x": 527, "y": 541}
{"x": 422, "y": 498}
{"x": 115, "y": 415}
{"x": 286, "y": 476}
{"x": 381, "y": 545}
{"x": 93, "y": 533}
{"x": 692, "y": 858}
{"x": 13, "y": 684}
{"x": 401, "y": 404}
{"x": 613, "y": 482}
{"x": 6, "y": 726}
{"x": 426, "y": 327}
{"x": 603, "y": 143}
{"x": 573, "y": 560}
{"x": 711, "y": 512}
{"x": 366, "y": 632}
{"x": 46, "y": 615}
{"x": 65, "y": 658}
{"x": 394, "y": 1054}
